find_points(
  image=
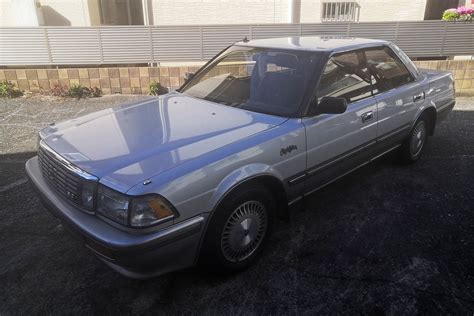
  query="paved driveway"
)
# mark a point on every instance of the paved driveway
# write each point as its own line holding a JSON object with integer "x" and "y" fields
{"x": 384, "y": 239}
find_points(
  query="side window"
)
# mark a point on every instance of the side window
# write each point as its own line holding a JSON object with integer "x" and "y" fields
{"x": 344, "y": 76}
{"x": 388, "y": 70}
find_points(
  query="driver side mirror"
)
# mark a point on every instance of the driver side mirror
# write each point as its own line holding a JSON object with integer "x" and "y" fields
{"x": 331, "y": 105}
{"x": 188, "y": 76}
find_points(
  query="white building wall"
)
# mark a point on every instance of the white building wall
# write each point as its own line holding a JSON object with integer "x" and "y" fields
{"x": 371, "y": 10}
{"x": 51, "y": 12}
{"x": 65, "y": 12}
{"x": 18, "y": 13}
{"x": 188, "y": 12}
{"x": 169, "y": 12}
{"x": 6, "y": 13}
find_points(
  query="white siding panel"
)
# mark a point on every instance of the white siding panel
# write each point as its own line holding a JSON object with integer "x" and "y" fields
{"x": 23, "y": 46}
{"x": 74, "y": 45}
{"x": 126, "y": 44}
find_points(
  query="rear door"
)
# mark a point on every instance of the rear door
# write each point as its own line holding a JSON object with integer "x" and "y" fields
{"x": 398, "y": 96}
{"x": 338, "y": 143}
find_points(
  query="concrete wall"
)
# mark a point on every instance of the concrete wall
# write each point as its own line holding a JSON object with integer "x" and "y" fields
{"x": 135, "y": 80}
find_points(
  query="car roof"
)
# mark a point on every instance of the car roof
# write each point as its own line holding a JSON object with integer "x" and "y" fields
{"x": 314, "y": 43}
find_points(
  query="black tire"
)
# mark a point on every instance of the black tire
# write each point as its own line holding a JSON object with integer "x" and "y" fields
{"x": 249, "y": 207}
{"x": 413, "y": 147}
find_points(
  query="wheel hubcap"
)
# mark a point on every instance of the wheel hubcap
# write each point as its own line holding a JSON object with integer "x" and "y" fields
{"x": 418, "y": 139}
{"x": 244, "y": 231}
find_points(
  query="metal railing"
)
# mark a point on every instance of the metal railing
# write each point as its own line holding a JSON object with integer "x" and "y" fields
{"x": 154, "y": 44}
{"x": 340, "y": 11}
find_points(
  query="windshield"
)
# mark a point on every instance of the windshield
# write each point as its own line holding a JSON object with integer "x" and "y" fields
{"x": 262, "y": 80}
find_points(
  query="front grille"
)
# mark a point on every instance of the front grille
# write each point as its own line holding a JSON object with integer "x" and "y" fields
{"x": 61, "y": 179}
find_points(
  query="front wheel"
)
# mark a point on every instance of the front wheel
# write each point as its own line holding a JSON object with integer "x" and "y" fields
{"x": 414, "y": 145}
{"x": 239, "y": 229}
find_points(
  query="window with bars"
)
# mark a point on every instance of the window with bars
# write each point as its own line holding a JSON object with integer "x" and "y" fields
{"x": 340, "y": 11}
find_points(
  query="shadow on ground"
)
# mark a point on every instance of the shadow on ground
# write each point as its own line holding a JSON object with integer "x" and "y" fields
{"x": 385, "y": 239}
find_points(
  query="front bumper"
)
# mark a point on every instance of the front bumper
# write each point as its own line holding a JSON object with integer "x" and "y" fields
{"x": 133, "y": 255}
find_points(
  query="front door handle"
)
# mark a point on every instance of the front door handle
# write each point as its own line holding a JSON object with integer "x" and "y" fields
{"x": 418, "y": 97}
{"x": 367, "y": 116}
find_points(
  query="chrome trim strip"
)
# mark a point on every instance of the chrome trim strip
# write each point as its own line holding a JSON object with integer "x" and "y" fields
{"x": 79, "y": 172}
{"x": 335, "y": 179}
{"x": 295, "y": 200}
{"x": 312, "y": 171}
{"x": 297, "y": 179}
{"x": 385, "y": 152}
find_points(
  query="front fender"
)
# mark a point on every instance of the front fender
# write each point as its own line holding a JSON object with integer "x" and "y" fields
{"x": 240, "y": 176}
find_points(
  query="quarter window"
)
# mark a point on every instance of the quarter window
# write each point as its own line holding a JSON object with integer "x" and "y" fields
{"x": 345, "y": 76}
{"x": 388, "y": 70}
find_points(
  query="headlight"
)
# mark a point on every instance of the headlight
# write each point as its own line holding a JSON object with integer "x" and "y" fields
{"x": 141, "y": 211}
{"x": 112, "y": 204}
{"x": 149, "y": 210}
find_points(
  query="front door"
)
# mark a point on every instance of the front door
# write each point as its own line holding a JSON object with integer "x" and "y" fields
{"x": 338, "y": 143}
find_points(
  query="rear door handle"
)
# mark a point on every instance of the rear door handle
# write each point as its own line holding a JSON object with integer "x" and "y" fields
{"x": 367, "y": 116}
{"x": 418, "y": 97}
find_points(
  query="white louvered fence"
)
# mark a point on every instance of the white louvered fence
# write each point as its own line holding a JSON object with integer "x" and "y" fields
{"x": 153, "y": 44}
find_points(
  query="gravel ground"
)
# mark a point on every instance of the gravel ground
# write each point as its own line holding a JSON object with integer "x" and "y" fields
{"x": 385, "y": 239}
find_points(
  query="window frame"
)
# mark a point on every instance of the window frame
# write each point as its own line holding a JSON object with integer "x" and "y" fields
{"x": 307, "y": 96}
{"x": 361, "y": 58}
{"x": 395, "y": 56}
{"x": 361, "y": 50}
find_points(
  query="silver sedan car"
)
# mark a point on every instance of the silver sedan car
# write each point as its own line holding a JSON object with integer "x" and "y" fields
{"x": 200, "y": 174}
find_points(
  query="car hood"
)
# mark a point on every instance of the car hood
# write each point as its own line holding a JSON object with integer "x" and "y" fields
{"x": 126, "y": 145}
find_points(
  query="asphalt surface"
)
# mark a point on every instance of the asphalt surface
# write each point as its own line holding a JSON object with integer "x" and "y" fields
{"x": 386, "y": 239}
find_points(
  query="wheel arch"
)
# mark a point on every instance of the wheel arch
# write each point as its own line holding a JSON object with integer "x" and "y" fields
{"x": 431, "y": 114}
{"x": 266, "y": 178}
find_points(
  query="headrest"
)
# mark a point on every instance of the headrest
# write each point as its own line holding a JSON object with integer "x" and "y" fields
{"x": 283, "y": 60}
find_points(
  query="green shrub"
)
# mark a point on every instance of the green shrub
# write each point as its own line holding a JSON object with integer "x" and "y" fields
{"x": 8, "y": 90}
{"x": 157, "y": 89}
{"x": 77, "y": 91}
{"x": 450, "y": 15}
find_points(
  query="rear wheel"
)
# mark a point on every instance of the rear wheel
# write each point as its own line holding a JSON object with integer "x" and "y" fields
{"x": 414, "y": 145}
{"x": 239, "y": 229}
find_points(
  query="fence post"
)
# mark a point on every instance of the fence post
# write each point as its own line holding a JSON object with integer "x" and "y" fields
{"x": 48, "y": 48}
{"x": 349, "y": 29}
{"x": 150, "y": 36}
{"x": 201, "y": 43}
{"x": 444, "y": 38}
{"x": 101, "y": 50}
{"x": 396, "y": 32}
